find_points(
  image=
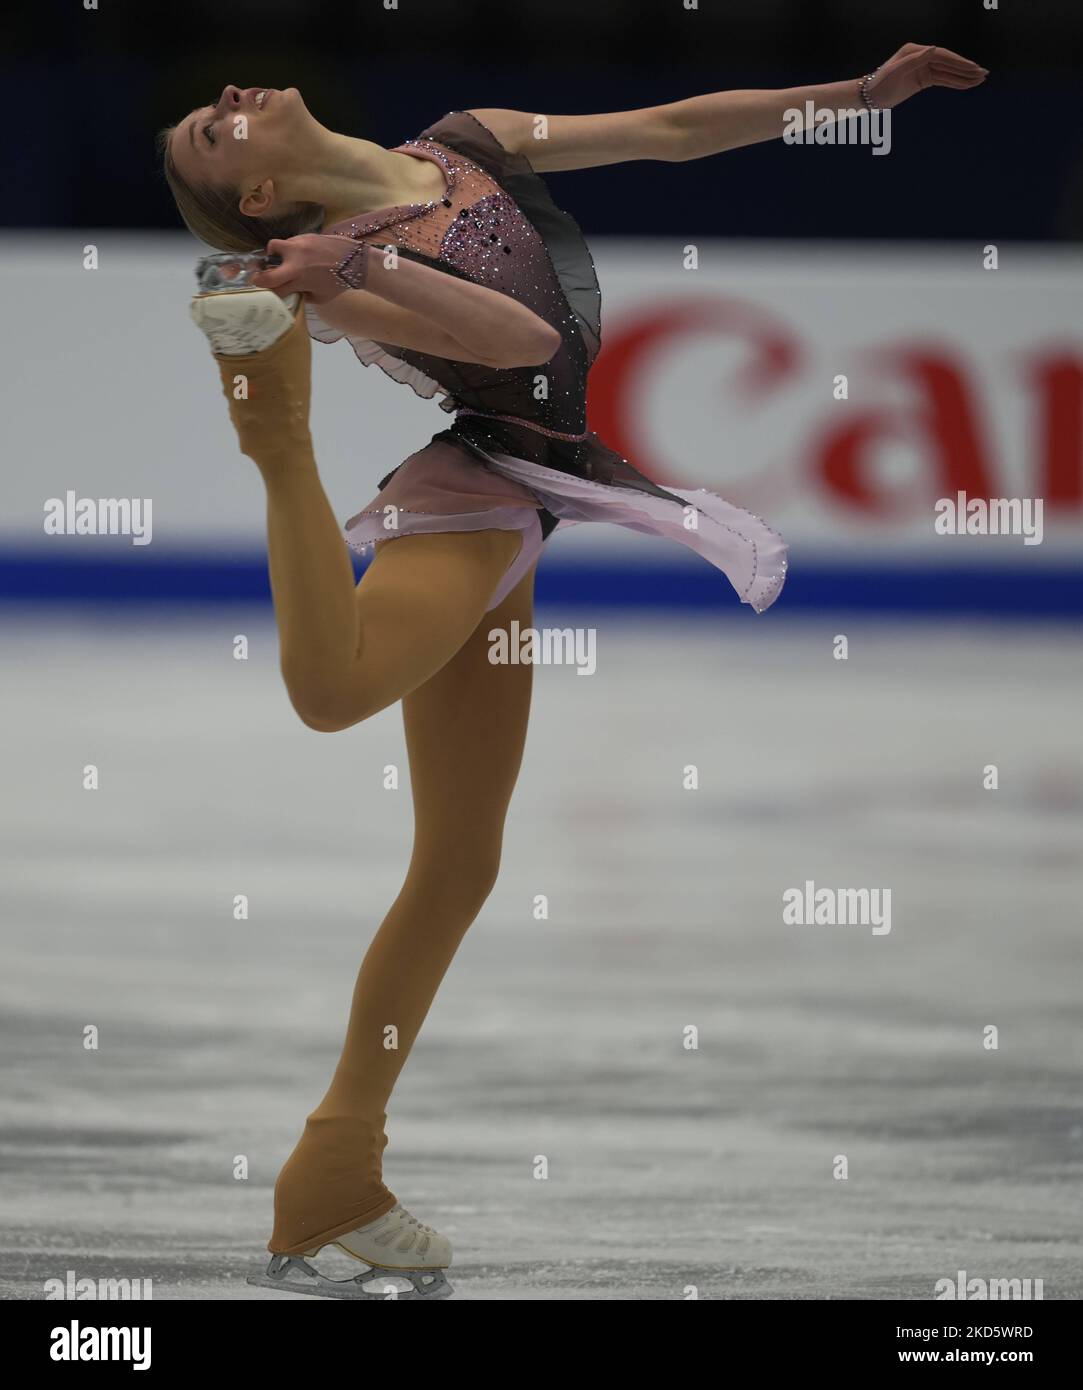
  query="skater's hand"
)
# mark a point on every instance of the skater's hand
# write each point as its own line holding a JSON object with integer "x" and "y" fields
{"x": 307, "y": 265}
{"x": 917, "y": 66}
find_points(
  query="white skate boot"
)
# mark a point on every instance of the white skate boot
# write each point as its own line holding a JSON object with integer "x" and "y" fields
{"x": 261, "y": 346}
{"x": 399, "y": 1250}
{"x": 238, "y": 318}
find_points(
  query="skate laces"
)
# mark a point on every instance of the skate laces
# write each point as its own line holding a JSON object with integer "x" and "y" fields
{"x": 404, "y": 1231}
{"x": 413, "y": 1221}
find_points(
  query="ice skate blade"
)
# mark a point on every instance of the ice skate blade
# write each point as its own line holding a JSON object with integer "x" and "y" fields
{"x": 288, "y": 1274}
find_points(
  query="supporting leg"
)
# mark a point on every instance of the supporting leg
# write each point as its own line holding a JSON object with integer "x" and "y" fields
{"x": 465, "y": 731}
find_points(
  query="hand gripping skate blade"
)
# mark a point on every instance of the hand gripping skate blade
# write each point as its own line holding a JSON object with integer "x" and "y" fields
{"x": 290, "y": 1274}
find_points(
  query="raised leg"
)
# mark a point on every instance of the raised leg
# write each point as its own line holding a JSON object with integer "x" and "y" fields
{"x": 416, "y": 604}
{"x": 348, "y": 650}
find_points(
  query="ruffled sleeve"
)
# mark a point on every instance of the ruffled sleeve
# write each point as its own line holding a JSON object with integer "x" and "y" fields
{"x": 383, "y": 355}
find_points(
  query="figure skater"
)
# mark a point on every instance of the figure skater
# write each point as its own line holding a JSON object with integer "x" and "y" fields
{"x": 445, "y": 262}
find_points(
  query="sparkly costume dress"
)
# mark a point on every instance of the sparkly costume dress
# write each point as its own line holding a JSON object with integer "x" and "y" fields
{"x": 518, "y": 455}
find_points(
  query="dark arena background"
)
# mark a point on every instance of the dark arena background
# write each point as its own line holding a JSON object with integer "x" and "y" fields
{"x": 674, "y": 1085}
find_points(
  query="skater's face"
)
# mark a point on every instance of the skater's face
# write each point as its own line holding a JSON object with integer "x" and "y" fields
{"x": 239, "y": 143}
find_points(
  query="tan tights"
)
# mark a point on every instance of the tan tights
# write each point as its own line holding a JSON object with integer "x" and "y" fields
{"x": 465, "y": 730}
{"x": 414, "y": 629}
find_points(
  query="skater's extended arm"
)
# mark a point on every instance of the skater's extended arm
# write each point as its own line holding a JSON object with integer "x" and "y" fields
{"x": 401, "y": 302}
{"x": 719, "y": 121}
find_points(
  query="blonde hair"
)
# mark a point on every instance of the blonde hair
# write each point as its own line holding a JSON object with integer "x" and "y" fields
{"x": 212, "y": 214}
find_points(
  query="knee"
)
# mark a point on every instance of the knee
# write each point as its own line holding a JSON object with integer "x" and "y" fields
{"x": 324, "y": 716}
{"x": 461, "y": 879}
{"x": 481, "y": 879}
{"x": 326, "y": 709}
{"x": 324, "y": 726}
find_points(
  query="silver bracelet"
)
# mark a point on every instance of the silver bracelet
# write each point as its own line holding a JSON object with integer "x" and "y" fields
{"x": 863, "y": 87}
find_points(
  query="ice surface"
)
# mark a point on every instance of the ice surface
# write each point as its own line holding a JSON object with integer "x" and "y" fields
{"x": 668, "y": 1168}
